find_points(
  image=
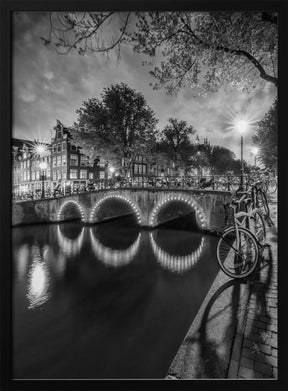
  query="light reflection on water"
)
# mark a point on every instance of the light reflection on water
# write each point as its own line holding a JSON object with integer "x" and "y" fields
{"x": 38, "y": 280}
{"x": 124, "y": 290}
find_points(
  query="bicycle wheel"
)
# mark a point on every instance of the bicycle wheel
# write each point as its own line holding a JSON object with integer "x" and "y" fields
{"x": 272, "y": 186}
{"x": 237, "y": 261}
{"x": 258, "y": 227}
{"x": 262, "y": 203}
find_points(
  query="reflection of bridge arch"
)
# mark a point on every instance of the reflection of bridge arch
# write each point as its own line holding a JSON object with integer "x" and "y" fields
{"x": 112, "y": 257}
{"x": 199, "y": 212}
{"x": 71, "y": 202}
{"x": 119, "y": 197}
{"x": 70, "y": 246}
{"x": 176, "y": 263}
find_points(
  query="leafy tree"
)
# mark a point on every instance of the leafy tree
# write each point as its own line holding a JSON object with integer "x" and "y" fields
{"x": 266, "y": 137}
{"x": 119, "y": 125}
{"x": 207, "y": 50}
{"x": 175, "y": 140}
{"x": 221, "y": 159}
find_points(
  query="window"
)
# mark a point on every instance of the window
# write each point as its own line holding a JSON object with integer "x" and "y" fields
{"x": 28, "y": 176}
{"x": 73, "y": 174}
{"x": 48, "y": 172}
{"x": 83, "y": 174}
{"x": 73, "y": 147}
{"x": 28, "y": 163}
{"x": 144, "y": 169}
{"x": 37, "y": 175}
{"x": 33, "y": 175}
{"x": 63, "y": 160}
{"x": 59, "y": 174}
{"x": 59, "y": 161}
{"x": 54, "y": 148}
{"x": 24, "y": 176}
{"x": 135, "y": 168}
{"x": 59, "y": 148}
{"x": 64, "y": 175}
{"x": 73, "y": 160}
{"x": 54, "y": 175}
{"x": 83, "y": 160}
{"x": 102, "y": 174}
{"x": 90, "y": 175}
{"x": 54, "y": 160}
{"x": 64, "y": 146}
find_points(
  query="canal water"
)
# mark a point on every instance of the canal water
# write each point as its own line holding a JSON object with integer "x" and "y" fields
{"x": 105, "y": 302}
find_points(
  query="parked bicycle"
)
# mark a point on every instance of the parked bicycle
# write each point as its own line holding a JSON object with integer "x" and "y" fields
{"x": 237, "y": 249}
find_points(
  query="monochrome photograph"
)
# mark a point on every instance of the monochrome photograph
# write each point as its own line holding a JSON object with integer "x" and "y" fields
{"x": 144, "y": 194}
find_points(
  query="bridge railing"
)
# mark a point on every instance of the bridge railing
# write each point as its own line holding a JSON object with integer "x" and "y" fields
{"x": 212, "y": 182}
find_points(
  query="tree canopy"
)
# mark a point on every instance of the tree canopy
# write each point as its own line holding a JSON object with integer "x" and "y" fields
{"x": 119, "y": 125}
{"x": 205, "y": 50}
{"x": 266, "y": 138}
{"x": 176, "y": 141}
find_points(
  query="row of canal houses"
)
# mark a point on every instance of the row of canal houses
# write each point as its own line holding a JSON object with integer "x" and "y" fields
{"x": 65, "y": 165}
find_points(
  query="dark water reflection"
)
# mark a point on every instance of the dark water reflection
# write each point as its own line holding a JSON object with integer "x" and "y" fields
{"x": 105, "y": 302}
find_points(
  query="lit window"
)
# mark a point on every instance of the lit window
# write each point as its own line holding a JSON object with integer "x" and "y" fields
{"x": 59, "y": 148}
{"x": 83, "y": 174}
{"x": 54, "y": 175}
{"x": 73, "y": 174}
{"x": 63, "y": 160}
{"x": 54, "y": 148}
{"x": 59, "y": 161}
{"x": 64, "y": 175}
{"x": 102, "y": 174}
{"x": 90, "y": 175}
{"x": 54, "y": 162}
{"x": 59, "y": 174}
{"x": 33, "y": 175}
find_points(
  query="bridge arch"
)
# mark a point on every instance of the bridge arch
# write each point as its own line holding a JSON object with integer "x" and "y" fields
{"x": 64, "y": 205}
{"x": 98, "y": 204}
{"x": 202, "y": 221}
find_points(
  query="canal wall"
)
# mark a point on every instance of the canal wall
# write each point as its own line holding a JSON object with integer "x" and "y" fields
{"x": 146, "y": 204}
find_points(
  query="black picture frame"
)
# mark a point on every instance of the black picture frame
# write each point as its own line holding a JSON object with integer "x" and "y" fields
{"x": 7, "y": 7}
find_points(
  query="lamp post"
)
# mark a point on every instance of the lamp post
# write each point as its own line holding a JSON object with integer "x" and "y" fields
{"x": 242, "y": 127}
{"x": 255, "y": 151}
{"x": 43, "y": 167}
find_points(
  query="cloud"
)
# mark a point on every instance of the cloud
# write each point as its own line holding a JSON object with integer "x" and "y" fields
{"x": 47, "y": 86}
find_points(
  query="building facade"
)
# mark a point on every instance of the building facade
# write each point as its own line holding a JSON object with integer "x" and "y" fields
{"x": 65, "y": 166}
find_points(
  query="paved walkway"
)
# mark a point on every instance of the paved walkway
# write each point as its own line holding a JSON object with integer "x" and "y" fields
{"x": 234, "y": 334}
{"x": 255, "y": 350}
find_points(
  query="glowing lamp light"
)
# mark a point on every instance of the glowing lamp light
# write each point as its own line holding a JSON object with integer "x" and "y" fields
{"x": 112, "y": 169}
{"x": 40, "y": 149}
{"x": 255, "y": 150}
{"x": 241, "y": 126}
{"x": 43, "y": 165}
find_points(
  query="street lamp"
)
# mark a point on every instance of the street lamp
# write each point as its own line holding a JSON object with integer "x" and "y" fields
{"x": 255, "y": 151}
{"x": 241, "y": 126}
{"x": 43, "y": 166}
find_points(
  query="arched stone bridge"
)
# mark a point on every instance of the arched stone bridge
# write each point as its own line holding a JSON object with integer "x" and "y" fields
{"x": 149, "y": 206}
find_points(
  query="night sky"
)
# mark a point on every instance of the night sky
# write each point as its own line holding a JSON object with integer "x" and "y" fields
{"x": 48, "y": 86}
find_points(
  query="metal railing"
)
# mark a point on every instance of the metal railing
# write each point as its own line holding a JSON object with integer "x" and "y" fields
{"x": 209, "y": 182}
